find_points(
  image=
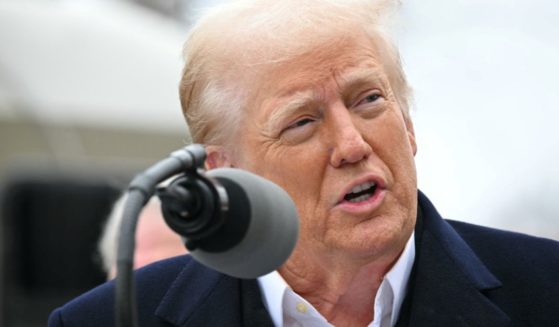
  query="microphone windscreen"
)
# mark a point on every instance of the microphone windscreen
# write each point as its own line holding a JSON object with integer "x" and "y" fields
{"x": 270, "y": 235}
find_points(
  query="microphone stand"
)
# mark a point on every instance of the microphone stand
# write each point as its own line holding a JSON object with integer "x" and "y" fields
{"x": 140, "y": 190}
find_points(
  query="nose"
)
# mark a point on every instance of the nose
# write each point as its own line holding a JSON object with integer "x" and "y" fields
{"x": 348, "y": 145}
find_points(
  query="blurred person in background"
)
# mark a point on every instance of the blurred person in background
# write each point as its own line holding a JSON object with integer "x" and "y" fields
{"x": 154, "y": 239}
{"x": 311, "y": 95}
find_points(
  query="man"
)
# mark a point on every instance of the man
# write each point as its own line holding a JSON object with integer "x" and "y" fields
{"x": 311, "y": 95}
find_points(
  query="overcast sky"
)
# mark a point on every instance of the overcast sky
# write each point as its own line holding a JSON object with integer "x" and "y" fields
{"x": 484, "y": 74}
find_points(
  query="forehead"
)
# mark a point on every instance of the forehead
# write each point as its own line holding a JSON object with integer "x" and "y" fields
{"x": 342, "y": 60}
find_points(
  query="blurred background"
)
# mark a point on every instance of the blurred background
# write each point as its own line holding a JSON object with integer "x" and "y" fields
{"x": 89, "y": 97}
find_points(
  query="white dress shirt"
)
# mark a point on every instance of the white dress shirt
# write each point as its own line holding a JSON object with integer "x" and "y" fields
{"x": 288, "y": 309}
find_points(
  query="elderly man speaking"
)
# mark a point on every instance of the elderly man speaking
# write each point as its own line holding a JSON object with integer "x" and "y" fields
{"x": 311, "y": 95}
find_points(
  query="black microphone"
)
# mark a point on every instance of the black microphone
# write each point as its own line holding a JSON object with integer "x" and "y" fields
{"x": 232, "y": 221}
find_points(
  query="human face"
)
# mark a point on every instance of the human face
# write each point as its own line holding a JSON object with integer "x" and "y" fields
{"x": 322, "y": 125}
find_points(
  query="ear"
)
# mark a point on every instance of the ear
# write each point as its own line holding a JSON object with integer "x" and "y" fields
{"x": 411, "y": 135}
{"x": 217, "y": 157}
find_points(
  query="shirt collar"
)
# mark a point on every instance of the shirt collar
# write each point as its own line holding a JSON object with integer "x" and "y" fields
{"x": 274, "y": 287}
{"x": 399, "y": 276}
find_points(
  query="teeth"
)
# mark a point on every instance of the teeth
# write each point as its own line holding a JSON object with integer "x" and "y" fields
{"x": 362, "y": 187}
{"x": 361, "y": 198}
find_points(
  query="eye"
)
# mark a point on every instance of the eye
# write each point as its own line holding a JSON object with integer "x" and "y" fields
{"x": 299, "y": 130}
{"x": 370, "y": 98}
{"x": 300, "y": 123}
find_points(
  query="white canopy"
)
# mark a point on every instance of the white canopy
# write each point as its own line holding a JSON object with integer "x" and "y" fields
{"x": 90, "y": 62}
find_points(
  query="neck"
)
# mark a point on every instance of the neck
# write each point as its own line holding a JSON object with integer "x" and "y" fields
{"x": 342, "y": 289}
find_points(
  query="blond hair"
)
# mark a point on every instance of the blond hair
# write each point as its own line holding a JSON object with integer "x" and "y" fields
{"x": 238, "y": 37}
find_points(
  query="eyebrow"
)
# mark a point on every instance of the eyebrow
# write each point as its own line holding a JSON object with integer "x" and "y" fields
{"x": 296, "y": 101}
{"x": 360, "y": 77}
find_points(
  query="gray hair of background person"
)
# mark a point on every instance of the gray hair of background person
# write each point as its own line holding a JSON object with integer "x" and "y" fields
{"x": 107, "y": 246}
{"x": 154, "y": 239}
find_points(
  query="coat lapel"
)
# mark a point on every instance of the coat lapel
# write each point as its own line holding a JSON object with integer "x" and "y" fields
{"x": 449, "y": 283}
{"x": 254, "y": 312}
{"x": 200, "y": 296}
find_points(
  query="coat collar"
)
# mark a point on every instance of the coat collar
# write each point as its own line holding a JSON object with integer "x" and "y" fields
{"x": 449, "y": 285}
{"x": 200, "y": 296}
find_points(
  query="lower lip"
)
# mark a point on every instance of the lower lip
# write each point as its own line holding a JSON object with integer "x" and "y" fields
{"x": 366, "y": 206}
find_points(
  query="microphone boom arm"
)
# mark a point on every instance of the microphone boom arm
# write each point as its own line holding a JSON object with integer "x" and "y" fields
{"x": 141, "y": 188}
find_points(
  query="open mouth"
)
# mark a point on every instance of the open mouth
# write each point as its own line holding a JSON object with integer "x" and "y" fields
{"x": 361, "y": 192}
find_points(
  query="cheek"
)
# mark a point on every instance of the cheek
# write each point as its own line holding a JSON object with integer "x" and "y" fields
{"x": 302, "y": 176}
{"x": 299, "y": 172}
{"x": 394, "y": 145}
{"x": 391, "y": 137}
{"x": 297, "y": 169}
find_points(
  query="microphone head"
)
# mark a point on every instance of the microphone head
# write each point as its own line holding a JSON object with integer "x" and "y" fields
{"x": 269, "y": 226}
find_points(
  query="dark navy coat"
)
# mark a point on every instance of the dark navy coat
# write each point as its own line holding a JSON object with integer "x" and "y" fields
{"x": 463, "y": 275}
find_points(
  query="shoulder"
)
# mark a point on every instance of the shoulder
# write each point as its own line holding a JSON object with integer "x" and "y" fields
{"x": 96, "y": 307}
{"x": 529, "y": 263}
{"x": 513, "y": 246}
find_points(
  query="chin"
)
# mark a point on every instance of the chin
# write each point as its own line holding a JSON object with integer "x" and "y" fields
{"x": 382, "y": 235}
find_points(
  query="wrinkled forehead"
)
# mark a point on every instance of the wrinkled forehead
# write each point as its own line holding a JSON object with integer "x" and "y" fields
{"x": 313, "y": 69}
